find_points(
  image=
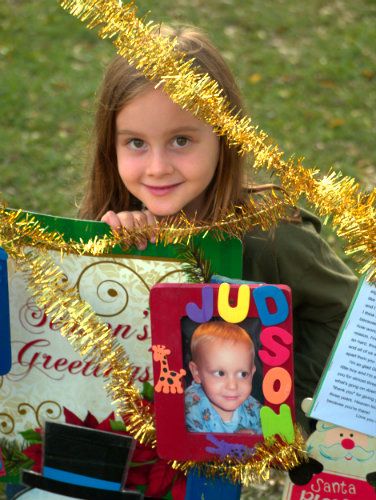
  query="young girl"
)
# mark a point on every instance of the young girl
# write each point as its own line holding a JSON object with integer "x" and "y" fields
{"x": 153, "y": 159}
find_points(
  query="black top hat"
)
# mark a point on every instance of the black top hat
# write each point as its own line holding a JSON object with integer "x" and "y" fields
{"x": 83, "y": 463}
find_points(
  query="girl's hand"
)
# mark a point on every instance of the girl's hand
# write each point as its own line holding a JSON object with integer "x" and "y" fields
{"x": 129, "y": 221}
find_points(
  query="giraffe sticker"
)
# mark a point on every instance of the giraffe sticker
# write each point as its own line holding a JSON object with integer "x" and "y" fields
{"x": 168, "y": 380}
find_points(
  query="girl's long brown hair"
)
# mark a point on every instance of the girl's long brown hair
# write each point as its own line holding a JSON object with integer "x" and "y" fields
{"x": 105, "y": 189}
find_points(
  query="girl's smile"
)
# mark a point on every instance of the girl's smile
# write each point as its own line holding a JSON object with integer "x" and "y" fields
{"x": 166, "y": 156}
{"x": 161, "y": 190}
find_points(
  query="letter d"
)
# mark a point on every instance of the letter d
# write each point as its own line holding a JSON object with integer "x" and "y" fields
{"x": 261, "y": 295}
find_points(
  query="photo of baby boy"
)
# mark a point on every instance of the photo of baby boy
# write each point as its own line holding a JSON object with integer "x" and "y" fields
{"x": 222, "y": 366}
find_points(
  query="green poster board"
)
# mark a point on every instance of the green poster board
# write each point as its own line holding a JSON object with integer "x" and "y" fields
{"x": 225, "y": 256}
{"x": 47, "y": 375}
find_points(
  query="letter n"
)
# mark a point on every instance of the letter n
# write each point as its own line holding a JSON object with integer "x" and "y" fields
{"x": 277, "y": 423}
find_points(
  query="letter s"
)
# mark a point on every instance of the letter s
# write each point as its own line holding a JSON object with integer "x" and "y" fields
{"x": 279, "y": 353}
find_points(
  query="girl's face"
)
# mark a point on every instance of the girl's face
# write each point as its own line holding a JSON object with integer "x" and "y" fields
{"x": 166, "y": 156}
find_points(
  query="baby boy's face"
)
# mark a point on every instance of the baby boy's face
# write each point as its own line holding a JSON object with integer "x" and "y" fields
{"x": 225, "y": 370}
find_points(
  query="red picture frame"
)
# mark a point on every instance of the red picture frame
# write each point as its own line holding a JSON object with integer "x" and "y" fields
{"x": 168, "y": 311}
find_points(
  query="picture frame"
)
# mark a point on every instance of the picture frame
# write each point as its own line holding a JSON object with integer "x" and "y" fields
{"x": 173, "y": 309}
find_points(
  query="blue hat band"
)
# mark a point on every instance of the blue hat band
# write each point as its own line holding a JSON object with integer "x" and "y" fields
{"x": 79, "y": 479}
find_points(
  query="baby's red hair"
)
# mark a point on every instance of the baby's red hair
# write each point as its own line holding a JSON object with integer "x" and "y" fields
{"x": 219, "y": 330}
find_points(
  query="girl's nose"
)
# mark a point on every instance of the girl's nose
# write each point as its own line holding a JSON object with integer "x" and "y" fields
{"x": 158, "y": 163}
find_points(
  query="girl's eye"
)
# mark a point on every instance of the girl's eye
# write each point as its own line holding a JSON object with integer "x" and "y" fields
{"x": 243, "y": 374}
{"x": 219, "y": 373}
{"x": 180, "y": 141}
{"x": 136, "y": 143}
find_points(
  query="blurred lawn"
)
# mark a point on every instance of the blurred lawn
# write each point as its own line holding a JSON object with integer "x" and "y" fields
{"x": 307, "y": 70}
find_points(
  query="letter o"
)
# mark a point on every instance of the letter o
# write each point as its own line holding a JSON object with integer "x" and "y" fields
{"x": 280, "y": 395}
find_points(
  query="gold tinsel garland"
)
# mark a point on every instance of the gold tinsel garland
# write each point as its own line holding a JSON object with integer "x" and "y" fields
{"x": 340, "y": 197}
{"x": 89, "y": 336}
{"x": 18, "y": 228}
{"x": 353, "y": 212}
{"x": 27, "y": 242}
{"x": 268, "y": 454}
{"x": 93, "y": 339}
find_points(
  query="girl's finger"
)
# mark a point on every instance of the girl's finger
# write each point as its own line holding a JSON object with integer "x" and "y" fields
{"x": 129, "y": 220}
{"x": 112, "y": 219}
{"x": 151, "y": 222}
{"x": 126, "y": 220}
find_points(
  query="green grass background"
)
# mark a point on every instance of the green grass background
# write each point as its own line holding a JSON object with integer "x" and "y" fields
{"x": 307, "y": 71}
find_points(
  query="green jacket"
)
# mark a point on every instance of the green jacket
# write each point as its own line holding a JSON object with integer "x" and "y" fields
{"x": 322, "y": 287}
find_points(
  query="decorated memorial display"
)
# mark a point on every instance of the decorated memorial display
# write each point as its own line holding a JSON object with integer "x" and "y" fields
{"x": 45, "y": 367}
{"x": 80, "y": 315}
{"x": 241, "y": 334}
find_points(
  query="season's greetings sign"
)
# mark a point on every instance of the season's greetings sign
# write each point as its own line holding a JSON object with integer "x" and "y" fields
{"x": 47, "y": 374}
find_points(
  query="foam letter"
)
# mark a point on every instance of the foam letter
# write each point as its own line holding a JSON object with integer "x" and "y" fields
{"x": 260, "y": 295}
{"x": 273, "y": 423}
{"x": 240, "y": 311}
{"x": 205, "y": 314}
{"x": 278, "y": 354}
{"x": 280, "y": 395}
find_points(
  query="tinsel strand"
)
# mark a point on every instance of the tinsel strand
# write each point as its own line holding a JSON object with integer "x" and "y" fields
{"x": 18, "y": 229}
{"x": 90, "y": 337}
{"x": 353, "y": 215}
{"x": 94, "y": 340}
{"x": 256, "y": 467}
{"x": 157, "y": 58}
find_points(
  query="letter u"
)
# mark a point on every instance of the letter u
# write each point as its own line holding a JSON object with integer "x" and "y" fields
{"x": 240, "y": 311}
